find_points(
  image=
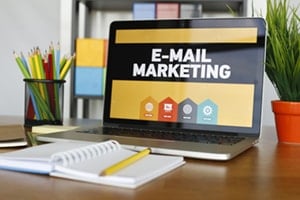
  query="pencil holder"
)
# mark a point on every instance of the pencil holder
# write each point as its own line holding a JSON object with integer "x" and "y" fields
{"x": 43, "y": 102}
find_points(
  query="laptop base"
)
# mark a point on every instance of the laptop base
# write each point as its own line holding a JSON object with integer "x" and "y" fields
{"x": 168, "y": 147}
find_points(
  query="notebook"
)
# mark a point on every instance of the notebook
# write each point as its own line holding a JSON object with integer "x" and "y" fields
{"x": 84, "y": 161}
{"x": 12, "y": 136}
{"x": 189, "y": 87}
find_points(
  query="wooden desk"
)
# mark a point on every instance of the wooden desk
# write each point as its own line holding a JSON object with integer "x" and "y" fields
{"x": 267, "y": 171}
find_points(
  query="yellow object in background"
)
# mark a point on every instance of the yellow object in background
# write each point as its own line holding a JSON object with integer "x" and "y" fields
{"x": 91, "y": 52}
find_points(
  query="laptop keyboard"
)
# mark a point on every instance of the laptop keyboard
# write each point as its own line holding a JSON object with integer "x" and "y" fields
{"x": 168, "y": 135}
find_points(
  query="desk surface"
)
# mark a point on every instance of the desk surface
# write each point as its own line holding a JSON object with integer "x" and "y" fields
{"x": 267, "y": 171}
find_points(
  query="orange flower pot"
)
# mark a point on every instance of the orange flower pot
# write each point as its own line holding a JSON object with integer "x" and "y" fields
{"x": 287, "y": 121}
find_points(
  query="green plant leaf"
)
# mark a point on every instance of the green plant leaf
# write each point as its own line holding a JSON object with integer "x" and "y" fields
{"x": 283, "y": 49}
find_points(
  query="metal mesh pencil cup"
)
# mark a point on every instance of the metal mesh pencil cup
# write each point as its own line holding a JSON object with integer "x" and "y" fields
{"x": 43, "y": 102}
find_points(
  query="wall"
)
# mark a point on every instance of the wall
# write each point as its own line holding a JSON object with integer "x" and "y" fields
{"x": 24, "y": 25}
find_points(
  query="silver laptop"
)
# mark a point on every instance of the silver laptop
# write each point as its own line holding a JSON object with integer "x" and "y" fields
{"x": 190, "y": 87}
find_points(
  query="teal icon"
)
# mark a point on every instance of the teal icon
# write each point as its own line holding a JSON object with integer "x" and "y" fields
{"x": 207, "y": 112}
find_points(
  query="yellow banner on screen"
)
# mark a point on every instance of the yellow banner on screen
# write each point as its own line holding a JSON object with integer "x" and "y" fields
{"x": 187, "y": 35}
{"x": 128, "y": 95}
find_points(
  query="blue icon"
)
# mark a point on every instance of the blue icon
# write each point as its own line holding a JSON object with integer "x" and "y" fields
{"x": 207, "y": 112}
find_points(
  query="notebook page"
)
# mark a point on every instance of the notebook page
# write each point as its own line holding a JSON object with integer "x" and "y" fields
{"x": 132, "y": 176}
{"x": 90, "y": 169}
{"x": 35, "y": 159}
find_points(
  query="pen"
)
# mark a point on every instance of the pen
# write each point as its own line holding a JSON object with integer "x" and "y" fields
{"x": 124, "y": 163}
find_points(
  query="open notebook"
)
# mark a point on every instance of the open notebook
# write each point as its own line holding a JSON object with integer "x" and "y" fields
{"x": 84, "y": 161}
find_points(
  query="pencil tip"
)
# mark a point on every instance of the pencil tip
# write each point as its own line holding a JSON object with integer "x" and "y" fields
{"x": 102, "y": 174}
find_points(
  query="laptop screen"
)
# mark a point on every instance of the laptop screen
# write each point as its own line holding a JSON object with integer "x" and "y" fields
{"x": 197, "y": 74}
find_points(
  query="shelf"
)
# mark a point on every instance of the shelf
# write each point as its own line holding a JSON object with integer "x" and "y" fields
{"x": 207, "y": 5}
{"x": 75, "y": 22}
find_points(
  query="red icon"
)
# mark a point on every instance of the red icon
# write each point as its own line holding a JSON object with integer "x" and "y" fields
{"x": 167, "y": 110}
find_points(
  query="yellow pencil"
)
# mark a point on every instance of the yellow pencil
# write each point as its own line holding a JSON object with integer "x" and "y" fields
{"x": 124, "y": 163}
{"x": 37, "y": 65}
{"x": 32, "y": 66}
{"x": 66, "y": 67}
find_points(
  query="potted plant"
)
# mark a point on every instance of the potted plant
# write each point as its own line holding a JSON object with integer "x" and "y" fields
{"x": 283, "y": 67}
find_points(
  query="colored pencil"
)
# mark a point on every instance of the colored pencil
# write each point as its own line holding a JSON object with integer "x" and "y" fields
{"x": 44, "y": 101}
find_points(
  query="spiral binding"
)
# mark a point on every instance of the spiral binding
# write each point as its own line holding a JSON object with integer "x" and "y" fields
{"x": 85, "y": 153}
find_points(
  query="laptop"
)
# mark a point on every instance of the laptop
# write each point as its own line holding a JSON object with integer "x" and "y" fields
{"x": 189, "y": 87}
